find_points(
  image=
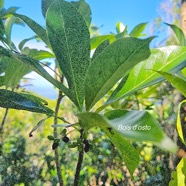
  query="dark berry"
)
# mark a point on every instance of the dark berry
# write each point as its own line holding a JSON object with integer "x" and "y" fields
{"x": 65, "y": 139}
{"x": 87, "y": 147}
{"x": 55, "y": 145}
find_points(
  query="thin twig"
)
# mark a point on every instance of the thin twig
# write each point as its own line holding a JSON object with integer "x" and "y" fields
{"x": 57, "y": 161}
{"x": 79, "y": 164}
{"x": 3, "y": 121}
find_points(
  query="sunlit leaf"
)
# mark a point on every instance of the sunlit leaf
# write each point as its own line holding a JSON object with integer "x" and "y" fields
{"x": 127, "y": 151}
{"x": 70, "y": 41}
{"x": 167, "y": 59}
{"x": 113, "y": 64}
{"x": 179, "y": 176}
{"x": 137, "y": 30}
{"x": 97, "y": 40}
{"x": 179, "y": 34}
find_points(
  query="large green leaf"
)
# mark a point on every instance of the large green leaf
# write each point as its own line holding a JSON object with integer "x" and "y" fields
{"x": 70, "y": 40}
{"x": 113, "y": 64}
{"x": 38, "y": 29}
{"x": 13, "y": 100}
{"x": 171, "y": 58}
{"x": 128, "y": 153}
{"x": 134, "y": 125}
{"x": 137, "y": 30}
{"x": 179, "y": 34}
{"x": 13, "y": 71}
{"x": 84, "y": 10}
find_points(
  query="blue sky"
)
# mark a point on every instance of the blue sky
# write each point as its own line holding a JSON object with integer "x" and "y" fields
{"x": 104, "y": 12}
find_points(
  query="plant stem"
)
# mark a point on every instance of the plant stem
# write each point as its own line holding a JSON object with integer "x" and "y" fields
{"x": 80, "y": 161}
{"x": 3, "y": 121}
{"x": 57, "y": 161}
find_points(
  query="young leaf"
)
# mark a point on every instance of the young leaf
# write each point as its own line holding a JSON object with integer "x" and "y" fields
{"x": 22, "y": 43}
{"x": 137, "y": 30}
{"x": 179, "y": 34}
{"x": 128, "y": 153}
{"x": 70, "y": 40}
{"x": 97, "y": 40}
{"x": 38, "y": 125}
{"x": 171, "y": 58}
{"x": 113, "y": 64}
{"x": 9, "y": 99}
{"x": 38, "y": 29}
{"x": 84, "y": 10}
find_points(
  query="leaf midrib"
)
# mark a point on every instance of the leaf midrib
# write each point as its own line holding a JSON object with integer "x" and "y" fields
{"x": 115, "y": 72}
{"x": 146, "y": 80}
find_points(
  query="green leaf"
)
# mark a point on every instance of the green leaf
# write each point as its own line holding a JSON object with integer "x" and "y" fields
{"x": 179, "y": 176}
{"x": 179, "y": 123}
{"x": 84, "y": 10}
{"x": 171, "y": 58}
{"x": 113, "y": 64}
{"x": 70, "y": 40}
{"x": 175, "y": 80}
{"x": 37, "y": 54}
{"x": 120, "y": 27}
{"x": 127, "y": 151}
{"x": 179, "y": 34}
{"x": 38, "y": 29}
{"x": 100, "y": 49}
{"x": 7, "y": 12}
{"x": 97, "y": 40}
{"x": 22, "y": 43}
{"x": 122, "y": 34}
{"x": 45, "y": 4}
{"x": 1, "y": 3}
{"x": 34, "y": 98}
{"x": 137, "y": 30}
{"x": 35, "y": 66}
{"x": 38, "y": 125}
{"x": 139, "y": 126}
{"x": 13, "y": 71}
{"x": 9, "y": 99}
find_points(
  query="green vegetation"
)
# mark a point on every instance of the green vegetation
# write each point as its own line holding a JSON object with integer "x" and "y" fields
{"x": 117, "y": 109}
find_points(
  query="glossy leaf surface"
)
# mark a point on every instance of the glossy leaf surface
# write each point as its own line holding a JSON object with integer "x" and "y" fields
{"x": 13, "y": 100}
{"x": 168, "y": 59}
{"x": 113, "y": 64}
